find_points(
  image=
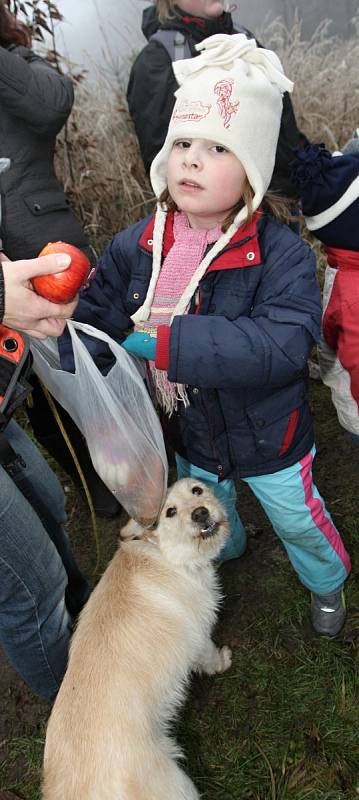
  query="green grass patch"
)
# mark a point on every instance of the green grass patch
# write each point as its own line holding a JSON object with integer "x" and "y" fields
{"x": 20, "y": 770}
{"x": 282, "y": 723}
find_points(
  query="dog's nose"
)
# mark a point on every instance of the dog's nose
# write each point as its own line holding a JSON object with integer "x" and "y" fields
{"x": 200, "y": 515}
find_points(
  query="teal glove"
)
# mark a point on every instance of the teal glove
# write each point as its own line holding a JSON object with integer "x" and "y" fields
{"x": 141, "y": 344}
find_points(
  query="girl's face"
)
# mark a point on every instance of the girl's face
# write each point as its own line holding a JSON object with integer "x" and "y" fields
{"x": 209, "y": 9}
{"x": 205, "y": 181}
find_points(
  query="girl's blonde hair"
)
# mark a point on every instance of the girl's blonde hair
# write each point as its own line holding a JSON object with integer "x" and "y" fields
{"x": 275, "y": 205}
{"x": 165, "y": 9}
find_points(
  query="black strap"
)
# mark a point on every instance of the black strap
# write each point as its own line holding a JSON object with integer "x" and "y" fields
{"x": 8, "y": 458}
{"x": 7, "y": 369}
{"x": 7, "y": 454}
{"x": 20, "y": 389}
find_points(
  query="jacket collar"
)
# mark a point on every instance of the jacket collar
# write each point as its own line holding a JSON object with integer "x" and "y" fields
{"x": 342, "y": 259}
{"x": 242, "y": 251}
{"x": 196, "y": 27}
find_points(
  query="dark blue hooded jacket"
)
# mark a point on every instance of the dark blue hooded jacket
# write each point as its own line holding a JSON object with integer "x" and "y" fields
{"x": 241, "y": 350}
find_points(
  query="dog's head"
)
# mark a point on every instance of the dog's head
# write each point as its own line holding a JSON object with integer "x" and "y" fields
{"x": 193, "y": 524}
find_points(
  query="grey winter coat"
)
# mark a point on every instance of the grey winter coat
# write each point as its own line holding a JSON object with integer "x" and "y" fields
{"x": 35, "y": 101}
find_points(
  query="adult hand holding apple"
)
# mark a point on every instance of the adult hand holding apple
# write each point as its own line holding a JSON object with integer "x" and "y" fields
{"x": 61, "y": 287}
{"x": 22, "y": 308}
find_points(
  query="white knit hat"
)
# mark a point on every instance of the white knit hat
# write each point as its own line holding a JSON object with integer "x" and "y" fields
{"x": 230, "y": 94}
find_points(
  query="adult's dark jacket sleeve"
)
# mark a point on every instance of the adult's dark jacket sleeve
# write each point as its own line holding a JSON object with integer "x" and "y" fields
{"x": 150, "y": 97}
{"x": 34, "y": 91}
{"x": 289, "y": 139}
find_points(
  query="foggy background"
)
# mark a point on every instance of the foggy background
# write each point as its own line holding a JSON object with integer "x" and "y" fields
{"x": 109, "y": 31}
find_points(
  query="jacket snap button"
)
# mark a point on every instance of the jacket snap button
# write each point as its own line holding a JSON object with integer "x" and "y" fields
{"x": 250, "y": 256}
{"x": 149, "y": 241}
{"x": 136, "y": 295}
{"x": 195, "y": 390}
{"x": 220, "y": 468}
{"x": 260, "y": 423}
{"x": 37, "y": 207}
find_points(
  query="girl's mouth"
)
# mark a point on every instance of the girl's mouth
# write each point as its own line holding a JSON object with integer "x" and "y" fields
{"x": 190, "y": 186}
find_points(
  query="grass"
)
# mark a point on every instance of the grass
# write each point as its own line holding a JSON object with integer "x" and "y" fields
{"x": 282, "y": 723}
{"x": 19, "y": 772}
{"x": 324, "y": 70}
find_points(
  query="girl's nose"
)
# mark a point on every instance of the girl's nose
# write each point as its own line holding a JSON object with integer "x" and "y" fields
{"x": 192, "y": 157}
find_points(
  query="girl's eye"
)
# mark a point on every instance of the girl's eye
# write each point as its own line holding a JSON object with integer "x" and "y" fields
{"x": 182, "y": 144}
{"x": 219, "y": 148}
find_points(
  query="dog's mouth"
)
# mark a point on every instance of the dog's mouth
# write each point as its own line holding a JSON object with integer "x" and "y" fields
{"x": 210, "y": 530}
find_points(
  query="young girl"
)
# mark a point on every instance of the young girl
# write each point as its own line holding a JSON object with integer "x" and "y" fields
{"x": 226, "y": 308}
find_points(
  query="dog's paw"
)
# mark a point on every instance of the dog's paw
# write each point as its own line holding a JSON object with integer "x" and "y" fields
{"x": 224, "y": 659}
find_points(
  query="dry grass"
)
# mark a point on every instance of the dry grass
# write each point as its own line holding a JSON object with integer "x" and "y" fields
{"x": 325, "y": 71}
{"x": 99, "y": 163}
{"x": 98, "y": 158}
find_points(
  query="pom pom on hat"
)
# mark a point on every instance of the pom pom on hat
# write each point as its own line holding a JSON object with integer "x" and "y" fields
{"x": 310, "y": 163}
{"x": 328, "y": 185}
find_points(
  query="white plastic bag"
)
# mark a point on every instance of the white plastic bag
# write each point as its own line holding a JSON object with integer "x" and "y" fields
{"x": 116, "y": 415}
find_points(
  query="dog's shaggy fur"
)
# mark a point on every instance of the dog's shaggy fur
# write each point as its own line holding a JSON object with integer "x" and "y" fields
{"x": 145, "y": 627}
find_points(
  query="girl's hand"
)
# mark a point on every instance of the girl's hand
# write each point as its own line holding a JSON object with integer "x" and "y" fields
{"x": 141, "y": 344}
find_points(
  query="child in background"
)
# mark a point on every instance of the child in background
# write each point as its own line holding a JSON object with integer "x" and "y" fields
{"x": 224, "y": 304}
{"x": 329, "y": 186}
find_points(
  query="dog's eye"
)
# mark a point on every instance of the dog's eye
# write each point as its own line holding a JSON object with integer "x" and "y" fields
{"x": 197, "y": 490}
{"x": 171, "y": 512}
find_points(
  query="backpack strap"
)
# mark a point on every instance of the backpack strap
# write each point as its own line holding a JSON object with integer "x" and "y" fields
{"x": 15, "y": 365}
{"x": 174, "y": 42}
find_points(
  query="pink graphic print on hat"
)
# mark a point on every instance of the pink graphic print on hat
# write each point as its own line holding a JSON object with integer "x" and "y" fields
{"x": 224, "y": 104}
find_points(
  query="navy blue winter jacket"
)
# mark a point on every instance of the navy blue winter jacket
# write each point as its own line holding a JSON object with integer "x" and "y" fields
{"x": 242, "y": 349}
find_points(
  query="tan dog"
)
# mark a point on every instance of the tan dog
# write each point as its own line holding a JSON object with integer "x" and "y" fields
{"x": 145, "y": 627}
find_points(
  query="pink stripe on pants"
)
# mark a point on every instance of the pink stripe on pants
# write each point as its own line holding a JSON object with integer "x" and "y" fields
{"x": 320, "y": 520}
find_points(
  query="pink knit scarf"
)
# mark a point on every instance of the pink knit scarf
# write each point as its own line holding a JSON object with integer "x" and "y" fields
{"x": 176, "y": 272}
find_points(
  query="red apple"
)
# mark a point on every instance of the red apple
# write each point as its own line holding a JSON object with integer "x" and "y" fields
{"x": 61, "y": 287}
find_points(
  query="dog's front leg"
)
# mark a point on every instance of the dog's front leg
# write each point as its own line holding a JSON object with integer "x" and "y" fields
{"x": 214, "y": 659}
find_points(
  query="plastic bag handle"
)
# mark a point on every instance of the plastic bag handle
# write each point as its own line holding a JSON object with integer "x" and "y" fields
{"x": 73, "y": 325}
{"x": 138, "y": 371}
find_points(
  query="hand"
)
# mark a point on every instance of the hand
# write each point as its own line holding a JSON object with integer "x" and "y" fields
{"x": 141, "y": 344}
{"x": 24, "y": 309}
